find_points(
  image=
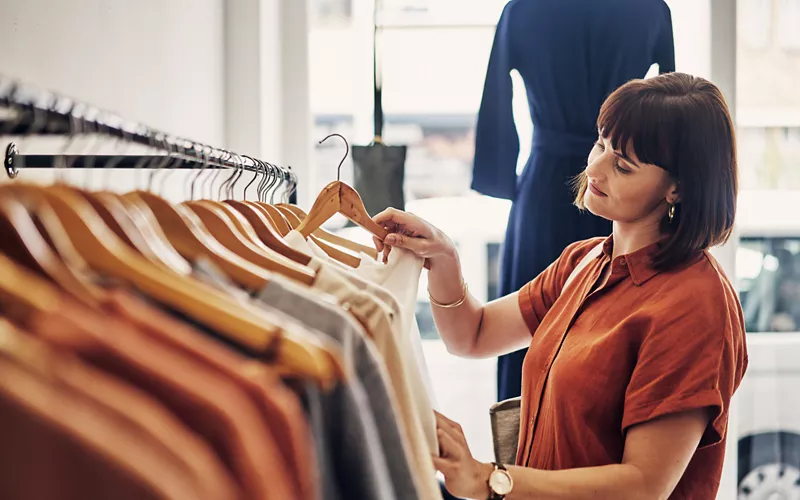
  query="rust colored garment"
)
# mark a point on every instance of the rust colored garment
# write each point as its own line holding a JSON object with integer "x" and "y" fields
{"x": 62, "y": 444}
{"x": 278, "y": 405}
{"x": 215, "y": 408}
{"x": 607, "y": 355}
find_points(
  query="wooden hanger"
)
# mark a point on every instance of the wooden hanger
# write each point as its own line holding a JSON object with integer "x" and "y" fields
{"x": 137, "y": 236}
{"x": 331, "y": 251}
{"x": 53, "y": 232}
{"x": 187, "y": 234}
{"x": 339, "y": 198}
{"x": 243, "y": 324}
{"x": 220, "y": 226}
{"x": 21, "y": 240}
{"x": 266, "y": 232}
{"x": 23, "y": 294}
{"x": 331, "y": 238}
{"x": 282, "y": 226}
{"x": 150, "y": 230}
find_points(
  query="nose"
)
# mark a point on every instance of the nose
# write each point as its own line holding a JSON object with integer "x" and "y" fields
{"x": 597, "y": 166}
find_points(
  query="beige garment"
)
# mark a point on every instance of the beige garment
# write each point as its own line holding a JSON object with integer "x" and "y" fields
{"x": 374, "y": 316}
{"x": 395, "y": 282}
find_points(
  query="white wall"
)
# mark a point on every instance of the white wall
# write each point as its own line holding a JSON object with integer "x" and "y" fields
{"x": 156, "y": 61}
{"x": 230, "y": 73}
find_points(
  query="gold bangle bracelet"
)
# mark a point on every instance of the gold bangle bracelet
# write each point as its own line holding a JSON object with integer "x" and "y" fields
{"x": 452, "y": 304}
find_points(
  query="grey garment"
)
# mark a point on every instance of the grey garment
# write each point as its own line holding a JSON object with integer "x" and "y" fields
{"x": 361, "y": 357}
{"x": 352, "y": 459}
{"x": 312, "y": 401}
{"x": 356, "y": 468}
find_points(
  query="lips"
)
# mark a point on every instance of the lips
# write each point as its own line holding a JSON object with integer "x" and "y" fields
{"x": 596, "y": 191}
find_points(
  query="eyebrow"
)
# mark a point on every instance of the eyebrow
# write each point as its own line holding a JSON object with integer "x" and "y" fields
{"x": 626, "y": 158}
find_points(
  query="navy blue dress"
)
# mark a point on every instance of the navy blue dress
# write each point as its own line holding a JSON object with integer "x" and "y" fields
{"x": 571, "y": 54}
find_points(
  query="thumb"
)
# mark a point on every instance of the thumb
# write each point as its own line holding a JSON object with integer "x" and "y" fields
{"x": 418, "y": 246}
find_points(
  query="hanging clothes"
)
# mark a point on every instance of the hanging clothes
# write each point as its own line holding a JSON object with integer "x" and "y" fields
{"x": 394, "y": 345}
{"x": 191, "y": 352}
{"x": 395, "y": 283}
{"x": 571, "y": 55}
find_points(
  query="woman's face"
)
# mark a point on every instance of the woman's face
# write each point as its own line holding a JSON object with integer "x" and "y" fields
{"x": 623, "y": 189}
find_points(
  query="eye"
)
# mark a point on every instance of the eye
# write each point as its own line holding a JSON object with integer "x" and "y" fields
{"x": 600, "y": 145}
{"x": 620, "y": 168}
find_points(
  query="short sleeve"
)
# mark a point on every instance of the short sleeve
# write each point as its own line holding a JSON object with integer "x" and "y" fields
{"x": 538, "y": 295}
{"x": 690, "y": 358}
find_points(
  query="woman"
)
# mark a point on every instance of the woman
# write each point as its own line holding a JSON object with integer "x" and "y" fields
{"x": 637, "y": 340}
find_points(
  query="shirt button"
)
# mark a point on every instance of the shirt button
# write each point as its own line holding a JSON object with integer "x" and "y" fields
{"x": 622, "y": 262}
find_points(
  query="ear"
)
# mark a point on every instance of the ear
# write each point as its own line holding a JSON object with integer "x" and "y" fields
{"x": 674, "y": 193}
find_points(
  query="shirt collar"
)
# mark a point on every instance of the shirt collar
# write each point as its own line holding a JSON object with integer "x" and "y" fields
{"x": 639, "y": 263}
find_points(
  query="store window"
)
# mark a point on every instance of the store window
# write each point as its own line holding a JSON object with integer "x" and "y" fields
{"x": 768, "y": 255}
{"x": 768, "y": 275}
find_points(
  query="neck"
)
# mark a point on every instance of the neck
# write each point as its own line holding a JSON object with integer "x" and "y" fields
{"x": 629, "y": 237}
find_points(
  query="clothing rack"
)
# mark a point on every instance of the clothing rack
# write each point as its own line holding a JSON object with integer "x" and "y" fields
{"x": 29, "y": 111}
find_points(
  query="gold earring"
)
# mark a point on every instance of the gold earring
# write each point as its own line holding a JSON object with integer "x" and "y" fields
{"x": 671, "y": 212}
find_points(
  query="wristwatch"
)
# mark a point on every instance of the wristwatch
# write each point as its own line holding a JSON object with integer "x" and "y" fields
{"x": 500, "y": 482}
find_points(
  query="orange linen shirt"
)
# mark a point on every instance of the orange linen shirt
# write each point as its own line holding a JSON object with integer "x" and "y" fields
{"x": 607, "y": 355}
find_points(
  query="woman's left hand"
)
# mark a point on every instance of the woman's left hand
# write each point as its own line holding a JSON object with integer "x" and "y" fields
{"x": 464, "y": 476}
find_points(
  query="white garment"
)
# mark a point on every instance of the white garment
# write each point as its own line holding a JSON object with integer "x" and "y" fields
{"x": 399, "y": 277}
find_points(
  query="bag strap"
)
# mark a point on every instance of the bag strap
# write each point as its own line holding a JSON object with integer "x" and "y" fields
{"x": 593, "y": 253}
{"x": 377, "y": 72}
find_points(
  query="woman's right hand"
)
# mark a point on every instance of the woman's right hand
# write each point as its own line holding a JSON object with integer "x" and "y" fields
{"x": 408, "y": 231}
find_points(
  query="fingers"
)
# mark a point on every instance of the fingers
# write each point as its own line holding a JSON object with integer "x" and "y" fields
{"x": 379, "y": 246}
{"x": 398, "y": 221}
{"x": 447, "y": 424}
{"x": 391, "y": 215}
{"x": 449, "y": 446}
{"x": 441, "y": 464}
{"x": 453, "y": 432}
{"x": 419, "y": 246}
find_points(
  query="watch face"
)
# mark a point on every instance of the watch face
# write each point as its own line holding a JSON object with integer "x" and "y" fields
{"x": 500, "y": 481}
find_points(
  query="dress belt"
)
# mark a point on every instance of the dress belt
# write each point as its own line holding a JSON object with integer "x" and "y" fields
{"x": 563, "y": 143}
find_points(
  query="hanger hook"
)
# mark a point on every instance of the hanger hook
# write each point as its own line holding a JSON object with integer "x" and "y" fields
{"x": 242, "y": 170}
{"x": 209, "y": 180}
{"x": 239, "y": 173}
{"x": 227, "y": 182}
{"x": 347, "y": 152}
{"x": 292, "y": 185}
{"x": 274, "y": 171}
{"x": 262, "y": 181}
{"x": 256, "y": 170}
{"x": 204, "y": 155}
{"x": 281, "y": 181}
{"x": 268, "y": 180}
{"x": 171, "y": 166}
{"x": 292, "y": 181}
{"x": 265, "y": 182}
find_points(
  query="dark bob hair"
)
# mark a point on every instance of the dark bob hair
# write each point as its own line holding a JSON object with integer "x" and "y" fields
{"x": 682, "y": 124}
